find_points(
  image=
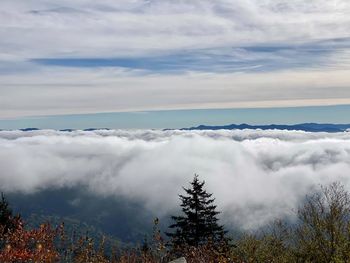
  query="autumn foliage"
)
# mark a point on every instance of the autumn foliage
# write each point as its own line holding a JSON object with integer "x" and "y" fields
{"x": 321, "y": 234}
{"x": 35, "y": 245}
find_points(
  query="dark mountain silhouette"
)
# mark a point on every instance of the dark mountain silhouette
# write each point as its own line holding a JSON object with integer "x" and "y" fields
{"x": 308, "y": 127}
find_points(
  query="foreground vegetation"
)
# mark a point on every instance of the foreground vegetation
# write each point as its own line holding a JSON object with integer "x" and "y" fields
{"x": 320, "y": 234}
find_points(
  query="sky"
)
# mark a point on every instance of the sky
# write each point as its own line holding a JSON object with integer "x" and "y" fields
{"x": 177, "y": 119}
{"x": 151, "y": 64}
{"x": 166, "y": 63}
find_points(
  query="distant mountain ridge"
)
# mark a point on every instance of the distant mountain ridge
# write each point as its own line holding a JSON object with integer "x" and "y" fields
{"x": 308, "y": 127}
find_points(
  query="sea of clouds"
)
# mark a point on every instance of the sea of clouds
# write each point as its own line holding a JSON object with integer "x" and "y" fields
{"x": 256, "y": 176}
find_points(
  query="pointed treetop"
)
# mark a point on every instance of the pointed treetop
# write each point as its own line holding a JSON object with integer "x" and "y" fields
{"x": 198, "y": 223}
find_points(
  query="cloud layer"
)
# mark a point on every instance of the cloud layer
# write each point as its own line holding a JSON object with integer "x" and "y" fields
{"x": 255, "y": 176}
{"x": 106, "y": 90}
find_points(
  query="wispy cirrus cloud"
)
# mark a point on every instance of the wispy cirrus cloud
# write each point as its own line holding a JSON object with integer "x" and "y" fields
{"x": 109, "y": 28}
{"x": 117, "y": 46}
{"x": 75, "y": 90}
{"x": 263, "y": 58}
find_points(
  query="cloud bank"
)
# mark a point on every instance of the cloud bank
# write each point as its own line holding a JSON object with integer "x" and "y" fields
{"x": 255, "y": 175}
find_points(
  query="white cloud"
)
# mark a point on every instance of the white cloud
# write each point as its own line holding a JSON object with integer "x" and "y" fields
{"x": 66, "y": 91}
{"x": 106, "y": 29}
{"x": 118, "y": 28}
{"x": 255, "y": 176}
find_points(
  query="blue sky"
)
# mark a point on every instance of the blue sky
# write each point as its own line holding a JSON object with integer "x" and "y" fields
{"x": 185, "y": 118}
{"x": 259, "y": 58}
{"x": 91, "y": 63}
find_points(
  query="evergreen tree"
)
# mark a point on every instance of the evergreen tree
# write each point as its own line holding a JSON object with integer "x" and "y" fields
{"x": 7, "y": 220}
{"x": 199, "y": 223}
